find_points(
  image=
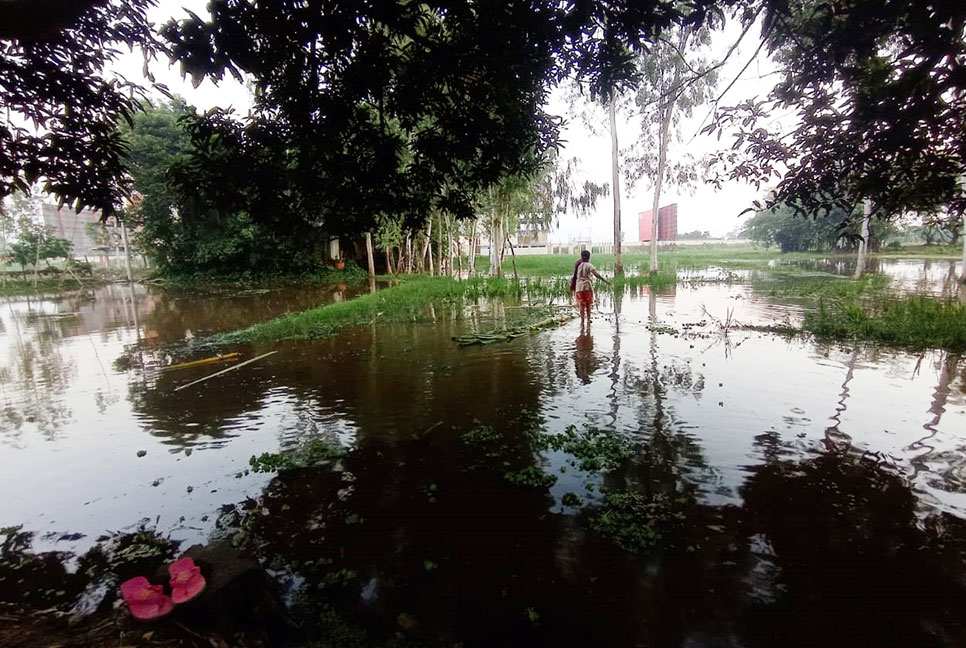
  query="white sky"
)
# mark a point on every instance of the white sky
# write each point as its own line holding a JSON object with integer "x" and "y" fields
{"x": 707, "y": 209}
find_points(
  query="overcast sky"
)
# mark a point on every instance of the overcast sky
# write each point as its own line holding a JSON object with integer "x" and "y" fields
{"x": 707, "y": 209}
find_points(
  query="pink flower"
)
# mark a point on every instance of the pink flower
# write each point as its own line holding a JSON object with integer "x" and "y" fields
{"x": 186, "y": 580}
{"x": 146, "y": 601}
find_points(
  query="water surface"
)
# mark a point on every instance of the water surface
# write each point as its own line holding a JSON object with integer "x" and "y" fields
{"x": 810, "y": 471}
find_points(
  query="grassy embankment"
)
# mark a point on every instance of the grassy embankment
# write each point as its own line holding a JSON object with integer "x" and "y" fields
{"x": 14, "y": 284}
{"x": 916, "y": 321}
{"x": 405, "y": 302}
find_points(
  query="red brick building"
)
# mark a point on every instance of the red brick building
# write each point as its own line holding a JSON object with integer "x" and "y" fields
{"x": 667, "y": 223}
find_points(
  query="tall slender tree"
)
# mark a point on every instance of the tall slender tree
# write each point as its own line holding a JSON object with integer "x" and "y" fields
{"x": 677, "y": 74}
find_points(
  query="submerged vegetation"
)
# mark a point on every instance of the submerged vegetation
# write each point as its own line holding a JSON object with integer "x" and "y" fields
{"x": 917, "y": 322}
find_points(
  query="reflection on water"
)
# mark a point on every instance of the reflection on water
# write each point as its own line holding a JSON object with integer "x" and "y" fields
{"x": 805, "y": 477}
{"x": 930, "y": 276}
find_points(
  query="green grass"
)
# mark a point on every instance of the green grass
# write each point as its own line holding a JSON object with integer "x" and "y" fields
{"x": 18, "y": 287}
{"x": 405, "y": 302}
{"x": 918, "y": 322}
{"x": 922, "y": 251}
{"x": 636, "y": 262}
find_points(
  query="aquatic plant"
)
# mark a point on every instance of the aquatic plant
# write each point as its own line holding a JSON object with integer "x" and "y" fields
{"x": 918, "y": 322}
{"x": 637, "y": 523}
{"x": 510, "y": 333}
{"x": 311, "y": 453}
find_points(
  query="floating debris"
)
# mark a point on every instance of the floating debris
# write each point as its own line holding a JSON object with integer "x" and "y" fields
{"x": 227, "y": 357}
{"x": 507, "y": 334}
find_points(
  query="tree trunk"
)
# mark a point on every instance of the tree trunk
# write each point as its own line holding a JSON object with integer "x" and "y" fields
{"x": 664, "y": 138}
{"x": 664, "y": 135}
{"x": 369, "y": 256}
{"x": 429, "y": 246}
{"x": 615, "y": 178}
{"x": 496, "y": 239}
{"x": 449, "y": 245}
{"x": 389, "y": 261}
{"x": 513, "y": 258}
{"x": 439, "y": 246}
{"x": 409, "y": 254}
{"x": 37, "y": 263}
{"x": 864, "y": 243}
{"x": 127, "y": 252}
{"x": 962, "y": 271}
{"x": 471, "y": 253}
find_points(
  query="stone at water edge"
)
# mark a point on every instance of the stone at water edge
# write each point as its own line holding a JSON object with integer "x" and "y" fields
{"x": 239, "y": 597}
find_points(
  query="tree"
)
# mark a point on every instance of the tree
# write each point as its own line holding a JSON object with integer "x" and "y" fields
{"x": 402, "y": 108}
{"x": 535, "y": 202}
{"x": 782, "y": 225}
{"x": 676, "y": 77}
{"x": 879, "y": 102}
{"x": 155, "y": 142}
{"x": 35, "y": 244}
{"x": 59, "y": 105}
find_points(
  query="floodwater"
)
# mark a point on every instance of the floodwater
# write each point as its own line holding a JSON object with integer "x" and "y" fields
{"x": 819, "y": 488}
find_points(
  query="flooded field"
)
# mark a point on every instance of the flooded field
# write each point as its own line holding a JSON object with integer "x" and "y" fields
{"x": 766, "y": 490}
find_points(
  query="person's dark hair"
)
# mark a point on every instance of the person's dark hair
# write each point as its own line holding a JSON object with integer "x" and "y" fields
{"x": 585, "y": 255}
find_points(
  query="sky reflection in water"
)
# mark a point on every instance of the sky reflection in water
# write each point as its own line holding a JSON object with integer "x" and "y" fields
{"x": 722, "y": 406}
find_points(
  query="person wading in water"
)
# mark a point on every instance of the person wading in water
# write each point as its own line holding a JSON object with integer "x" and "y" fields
{"x": 582, "y": 284}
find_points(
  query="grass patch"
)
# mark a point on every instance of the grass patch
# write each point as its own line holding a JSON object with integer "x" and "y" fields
{"x": 636, "y": 262}
{"x": 917, "y": 322}
{"x": 405, "y": 302}
{"x": 18, "y": 287}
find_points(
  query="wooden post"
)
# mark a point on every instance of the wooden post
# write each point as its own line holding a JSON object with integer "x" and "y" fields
{"x": 127, "y": 252}
{"x": 369, "y": 256}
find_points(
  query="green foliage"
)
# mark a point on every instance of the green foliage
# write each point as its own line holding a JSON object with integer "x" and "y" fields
{"x": 864, "y": 81}
{"x": 311, "y": 453}
{"x": 792, "y": 231}
{"x": 677, "y": 75}
{"x": 593, "y": 450}
{"x": 531, "y": 476}
{"x": 34, "y": 243}
{"x": 695, "y": 235}
{"x": 155, "y": 142}
{"x": 541, "y": 321}
{"x": 637, "y": 523}
{"x": 57, "y": 82}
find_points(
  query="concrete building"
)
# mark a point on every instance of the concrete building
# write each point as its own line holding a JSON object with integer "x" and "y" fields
{"x": 90, "y": 240}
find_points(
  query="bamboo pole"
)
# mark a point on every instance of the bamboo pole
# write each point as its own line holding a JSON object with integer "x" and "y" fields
{"x": 224, "y": 371}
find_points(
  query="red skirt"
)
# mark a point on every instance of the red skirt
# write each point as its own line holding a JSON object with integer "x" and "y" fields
{"x": 585, "y": 297}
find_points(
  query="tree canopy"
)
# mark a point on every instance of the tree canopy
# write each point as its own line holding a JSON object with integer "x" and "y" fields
{"x": 60, "y": 108}
{"x": 879, "y": 91}
{"x": 369, "y": 108}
